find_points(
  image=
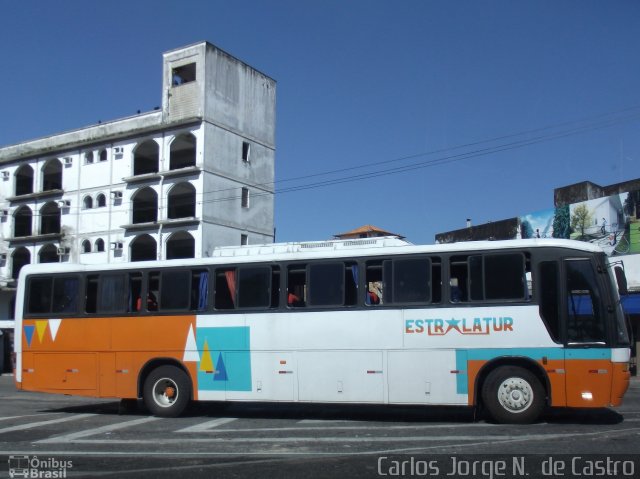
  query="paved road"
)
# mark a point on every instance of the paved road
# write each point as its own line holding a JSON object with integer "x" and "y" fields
{"x": 263, "y": 440}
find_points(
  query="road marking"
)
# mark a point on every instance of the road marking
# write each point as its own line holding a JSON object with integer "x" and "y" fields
{"x": 206, "y": 426}
{"x": 74, "y": 436}
{"x": 33, "y": 425}
{"x": 334, "y": 428}
{"x": 7, "y": 418}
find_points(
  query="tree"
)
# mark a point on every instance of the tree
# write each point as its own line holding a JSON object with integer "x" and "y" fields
{"x": 562, "y": 222}
{"x": 581, "y": 218}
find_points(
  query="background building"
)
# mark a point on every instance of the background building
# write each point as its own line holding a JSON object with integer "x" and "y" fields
{"x": 171, "y": 183}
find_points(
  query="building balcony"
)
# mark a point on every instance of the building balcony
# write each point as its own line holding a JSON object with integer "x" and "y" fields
{"x": 36, "y": 196}
{"x": 189, "y": 170}
{"x": 38, "y": 238}
{"x": 153, "y": 225}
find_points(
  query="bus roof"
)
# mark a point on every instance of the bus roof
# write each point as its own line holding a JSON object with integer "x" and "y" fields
{"x": 317, "y": 250}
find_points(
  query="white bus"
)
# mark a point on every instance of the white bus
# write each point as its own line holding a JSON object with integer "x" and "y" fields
{"x": 510, "y": 326}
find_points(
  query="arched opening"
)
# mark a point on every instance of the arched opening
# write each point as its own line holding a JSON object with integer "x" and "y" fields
{"x": 183, "y": 152}
{"x": 145, "y": 206}
{"x": 146, "y": 158}
{"x": 88, "y": 157}
{"x": 48, "y": 254}
{"x": 103, "y": 155}
{"x": 52, "y": 175}
{"x": 24, "y": 180}
{"x": 87, "y": 203}
{"x": 101, "y": 201}
{"x": 181, "y": 245}
{"x": 144, "y": 248}
{"x": 99, "y": 246}
{"x": 21, "y": 257}
{"x": 181, "y": 201}
{"x": 86, "y": 246}
{"x": 22, "y": 222}
{"x": 50, "y": 219}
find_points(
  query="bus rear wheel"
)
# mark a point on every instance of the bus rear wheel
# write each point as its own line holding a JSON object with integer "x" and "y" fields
{"x": 513, "y": 395}
{"x": 167, "y": 391}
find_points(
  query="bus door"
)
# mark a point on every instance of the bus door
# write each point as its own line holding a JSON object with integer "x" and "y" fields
{"x": 588, "y": 367}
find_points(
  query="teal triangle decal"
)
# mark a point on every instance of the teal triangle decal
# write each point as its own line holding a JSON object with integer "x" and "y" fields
{"x": 221, "y": 370}
{"x": 28, "y": 332}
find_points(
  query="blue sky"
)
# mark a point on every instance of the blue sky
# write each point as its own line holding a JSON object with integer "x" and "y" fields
{"x": 364, "y": 86}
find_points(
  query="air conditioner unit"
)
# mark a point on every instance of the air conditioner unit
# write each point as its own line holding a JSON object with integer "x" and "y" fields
{"x": 5, "y": 175}
{"x": 68, "y": 160}
{"x": 64, "y": 203}
{"x": 116, "y": 195}
{"x": 116, "y": 245}
{"x": 62, "y": 250}
{"x": 4, "y": 214}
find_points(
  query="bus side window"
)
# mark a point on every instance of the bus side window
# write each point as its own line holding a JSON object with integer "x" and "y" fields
{"x": 373, "y": 294}
{"x": 225, "y": 291}
{"x": 199, "y": 290}
{"x": 326, "y": 284}
{"x": 112, "y": 293}
{"x": 153, "y": 291}
{"x": 254, "y": 287}
{"x": 351, "y": 284}
{"x": 39, "y": 295}
{"x": 458, "y": 279}
{"x": 175, "y": 290}
{"x": 91, "y": 294}
{"x": 296, "y": 286}
{"x": 135, "y": 292}
{"x": 65, "y": 295}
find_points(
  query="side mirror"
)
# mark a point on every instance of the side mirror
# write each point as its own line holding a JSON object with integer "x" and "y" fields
{"x": 621, "y": 279}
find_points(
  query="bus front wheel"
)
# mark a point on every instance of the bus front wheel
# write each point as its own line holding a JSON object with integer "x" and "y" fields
{"x": 167, "y": 391}
{"x": 513, "y": 395}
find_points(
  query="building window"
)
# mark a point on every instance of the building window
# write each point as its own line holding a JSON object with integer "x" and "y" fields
{"x": 22, "y": 224}
{"x": 50, "y": 219}
{"x": 246, "y": 151}
{"x": 87, "y": 203}
{"x": 24, "y": 180}
{"x": 103, "y": 155}
{"x": 245, "y": 197}
{"x": 99, "y": 245}
{"x": 146, "y": 158}
{"x": 244, "y": 240}
{"x": 52, "y": 175}
{"x": 145, "y": 206}
{"x": 183, "y": 152}
{"x": 183, "y": 74}
{"x": 101, "y": 201}
{"x": 182, "y": 201}
{"x": 86, "y": 246}
{"x": 21, "y": 257}
{"x": 181, "y": 245}
{"x": 88, "y": 157}
{"x": 48, "y": 254}
{"x": 144, "y": 248}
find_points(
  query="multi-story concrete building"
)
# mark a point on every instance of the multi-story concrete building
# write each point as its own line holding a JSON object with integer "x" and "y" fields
{"x": 171, "y": 183}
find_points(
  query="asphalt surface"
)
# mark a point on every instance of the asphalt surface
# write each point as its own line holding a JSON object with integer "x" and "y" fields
{"x": 87, "y": 437}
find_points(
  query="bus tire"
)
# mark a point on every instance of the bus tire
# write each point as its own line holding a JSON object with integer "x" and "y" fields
{"x": 513, "y": 395}
{"x": 167, "y": 391}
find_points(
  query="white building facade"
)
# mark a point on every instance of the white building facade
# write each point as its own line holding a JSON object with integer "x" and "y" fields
{"x": 172, "y": 183}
